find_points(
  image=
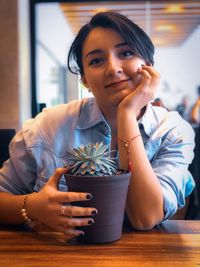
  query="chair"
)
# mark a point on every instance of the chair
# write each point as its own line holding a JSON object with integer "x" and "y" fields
{"x": 6, "y": 136}
{"x": 193, "y": 211}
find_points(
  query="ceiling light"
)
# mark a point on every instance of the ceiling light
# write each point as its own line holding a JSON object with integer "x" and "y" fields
{"x": 165, "y": 27}
{"x": 158, "y": 41}
{"x": 175, "y": 8}
{"x": 100, "y": 9}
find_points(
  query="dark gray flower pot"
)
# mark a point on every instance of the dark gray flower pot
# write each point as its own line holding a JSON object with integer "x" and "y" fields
{"x": 109, "y": 198}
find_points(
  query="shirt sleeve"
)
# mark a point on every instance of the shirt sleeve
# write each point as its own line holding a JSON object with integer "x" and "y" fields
{"x": 18, "y": 174}
{"x": 171, "y": 163}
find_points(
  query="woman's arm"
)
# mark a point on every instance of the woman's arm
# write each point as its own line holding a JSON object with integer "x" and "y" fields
{"x": 45, "y": 207}
{"x": 10, "y": 208}
{"x": 145, "y": 198}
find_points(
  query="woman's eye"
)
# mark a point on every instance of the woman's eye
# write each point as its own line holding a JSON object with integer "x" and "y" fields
{"x": 95, "y": 61}
{"x": 127, "y": 53}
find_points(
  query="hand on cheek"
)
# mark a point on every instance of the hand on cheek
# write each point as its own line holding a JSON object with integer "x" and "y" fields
{"x": 136, "y": 77}
{"x": 145, "y": 82}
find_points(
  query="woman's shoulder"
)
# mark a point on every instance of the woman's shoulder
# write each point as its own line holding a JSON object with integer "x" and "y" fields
{"x": 168, "y": 116}
{"x": 71, "y": 108}
{"x": 62, "y": 111}
{"x": 51, "y": 121}
{"x": 172, "y": 123}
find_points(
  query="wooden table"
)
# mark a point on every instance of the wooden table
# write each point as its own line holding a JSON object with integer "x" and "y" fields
{"x": 174, "y": 243}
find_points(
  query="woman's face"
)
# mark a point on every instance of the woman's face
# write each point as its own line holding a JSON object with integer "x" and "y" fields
{"x": 110, "y": 67}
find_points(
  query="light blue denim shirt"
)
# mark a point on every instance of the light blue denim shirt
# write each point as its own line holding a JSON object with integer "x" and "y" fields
{"x": 42, "y": 145}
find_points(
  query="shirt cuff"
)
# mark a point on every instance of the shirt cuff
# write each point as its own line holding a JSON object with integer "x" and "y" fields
{"x": 169, "y": 203}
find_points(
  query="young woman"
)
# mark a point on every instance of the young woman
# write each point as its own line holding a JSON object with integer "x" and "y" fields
{"x": 114, "y": 58}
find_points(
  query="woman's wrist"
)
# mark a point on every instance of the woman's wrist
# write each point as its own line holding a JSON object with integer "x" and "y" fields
{"x": 126, "y": 112}
{"x": 127, "y": 125}
{"x": 32, "y": 206}
{"x": 25, "y": 214}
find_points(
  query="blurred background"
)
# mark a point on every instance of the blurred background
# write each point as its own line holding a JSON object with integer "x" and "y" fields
{"x": 36, "y": 35}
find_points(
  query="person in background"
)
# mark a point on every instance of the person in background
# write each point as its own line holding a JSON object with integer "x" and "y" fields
{"x": 114, "y": 58}
{"x": 184, "y": 108}
{"x": 195, "y": 112}
{"x": 158, "y": 102}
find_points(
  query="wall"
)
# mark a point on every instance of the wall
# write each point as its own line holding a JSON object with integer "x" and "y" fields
{"x": 9, "y": 70}
{"x": 56, "y": 36}
{"x": 24, "y": 61}
{"x": 15, "y": 91}
{"x": 179, "y": 69}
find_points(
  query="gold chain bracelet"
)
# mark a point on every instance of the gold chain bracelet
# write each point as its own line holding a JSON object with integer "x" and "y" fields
{"x": 126, "y": 145}
{"x": 126, "y": 142}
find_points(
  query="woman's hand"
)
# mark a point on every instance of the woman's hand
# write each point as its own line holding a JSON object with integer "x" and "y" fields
{"x": 52, "y": 208}
{"x": 144, "y": 92}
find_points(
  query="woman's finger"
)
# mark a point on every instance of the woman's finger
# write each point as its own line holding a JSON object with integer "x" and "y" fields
{"x": 70, "y": 196}
{"x": 146, "y": 77}
{"x": 154, "y": 74}
{"x": 55, "y": 178}
{"x": 74, "y": 211}
{"x": 152, "y": 71}
{"x": 76, "y": 222}
{"x": 69, "y": 231}
{"x": 149, "y": 82}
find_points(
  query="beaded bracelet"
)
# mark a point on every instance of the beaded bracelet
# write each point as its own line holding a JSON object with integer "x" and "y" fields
{"x": 27, "y": 220}
{"x": 126, "y": 145}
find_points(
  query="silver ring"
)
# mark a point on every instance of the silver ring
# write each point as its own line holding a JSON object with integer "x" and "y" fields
{"x": 62, "y": 211}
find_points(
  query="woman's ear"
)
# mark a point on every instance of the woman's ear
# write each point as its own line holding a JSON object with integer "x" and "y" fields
{"x": 83, "y": 79}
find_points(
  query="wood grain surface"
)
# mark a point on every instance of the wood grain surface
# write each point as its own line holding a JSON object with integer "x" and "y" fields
{"x": 174, "y": 243}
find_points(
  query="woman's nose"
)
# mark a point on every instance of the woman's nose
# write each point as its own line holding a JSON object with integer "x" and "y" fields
{"x": 113, "y": 67}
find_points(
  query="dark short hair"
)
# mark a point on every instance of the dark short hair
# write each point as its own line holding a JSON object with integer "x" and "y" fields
{"x": 135, "y": 37}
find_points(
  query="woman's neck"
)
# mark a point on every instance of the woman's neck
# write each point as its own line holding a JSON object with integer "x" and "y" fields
{"x": 111, "y": 118}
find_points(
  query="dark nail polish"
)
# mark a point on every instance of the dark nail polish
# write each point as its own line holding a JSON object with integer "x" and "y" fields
{"x": 90, "y": 222}
{"x": 88, "y": 196}
{"x": 82, "y": 234}
{"x": 94, "y": 212}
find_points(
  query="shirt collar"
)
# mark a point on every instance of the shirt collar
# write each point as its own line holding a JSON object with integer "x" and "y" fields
{"x": 90, "y": 114}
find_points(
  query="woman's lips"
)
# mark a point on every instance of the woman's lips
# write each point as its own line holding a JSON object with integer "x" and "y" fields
{"x": 118, "y": 83}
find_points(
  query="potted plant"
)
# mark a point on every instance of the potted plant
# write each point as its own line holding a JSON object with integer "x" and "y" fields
{"x": 93, "y": 170}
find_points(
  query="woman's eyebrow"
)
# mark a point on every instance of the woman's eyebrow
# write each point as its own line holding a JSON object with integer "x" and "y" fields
{"x": 95, "y": 51}
{"x": 121, "y": 44}
{"x": 98, "y": 51}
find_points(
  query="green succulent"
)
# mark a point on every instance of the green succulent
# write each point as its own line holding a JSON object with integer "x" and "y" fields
{"x": 92, "y": 159}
